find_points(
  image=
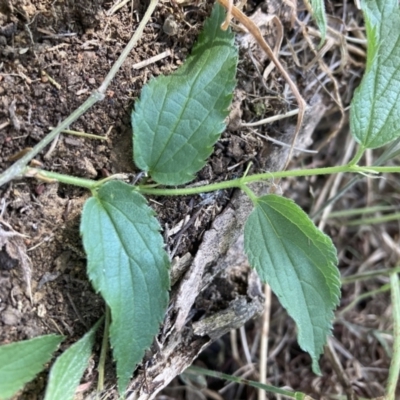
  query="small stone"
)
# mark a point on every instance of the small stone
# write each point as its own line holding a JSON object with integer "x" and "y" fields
{"x": 41, "y": 311}
{"x": 170, "y": 26}
{"x": 234, "y": 149}
{"x": 90, "y": 169}
{"x": 10, "y": 316}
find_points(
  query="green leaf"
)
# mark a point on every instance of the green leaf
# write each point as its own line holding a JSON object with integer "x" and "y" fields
{"x": 318, "y": 11}
{"x": 20, "y": 362}
{"x": 299, "y": 262}
{"x": 68, "y": 369}
{"x": 179, "y": 117}
{"x": 375, "y": 108}
{"x": 128, "y": 266}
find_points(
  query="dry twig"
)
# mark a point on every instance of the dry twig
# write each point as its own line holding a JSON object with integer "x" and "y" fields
{"x": 255, "y": 31}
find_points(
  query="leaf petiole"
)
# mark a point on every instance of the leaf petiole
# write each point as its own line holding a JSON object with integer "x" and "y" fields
{"x": 249, "y": 193}
{"x": 357, "y": 156}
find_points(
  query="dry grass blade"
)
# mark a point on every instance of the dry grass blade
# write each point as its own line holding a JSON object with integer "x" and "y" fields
{"x": 264, "y": 341}
{"x": 278, "y": 44}
{"x": 255, "y": 31}
{"x": 328, "y": 71}
{"x": 97, "y": 95}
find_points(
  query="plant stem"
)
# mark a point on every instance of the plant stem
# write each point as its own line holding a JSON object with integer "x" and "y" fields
{"x": 394, "y": 369}
{"x": 388, "y": 154}
{"x": 238, "y": 183}
{"x": 369, "y": 275}
{"x": 365, "y": 295}
{"x": 104, "y": 350}
{"x": 249, "y": 193}
{"x": 68, "y": 179}
{"x": 361, "y": 211}
{"x": 214, "y": 374}
{"x": 373, "y": 220}
{"x": 357, "y": 156}
{"x": 135, "y": 38}
{"x": 17, "y": 168}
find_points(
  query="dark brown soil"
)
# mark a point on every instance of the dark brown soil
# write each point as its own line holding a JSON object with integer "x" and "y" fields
{"x": 52, "y": 56}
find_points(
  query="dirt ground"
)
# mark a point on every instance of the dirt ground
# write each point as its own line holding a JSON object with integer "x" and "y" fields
{"x": 53, "y": 54}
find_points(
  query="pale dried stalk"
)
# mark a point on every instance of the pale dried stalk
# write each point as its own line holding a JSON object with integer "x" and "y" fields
{"x": 17, "y": 169}
{"x": 255, "y": 31}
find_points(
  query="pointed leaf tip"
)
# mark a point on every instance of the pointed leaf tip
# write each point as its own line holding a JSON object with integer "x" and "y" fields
{"x": 68, "y": 369}
{"x": 179, "y": 117}
{"x": 129, "y": 267}
{"x": 20, "y": 362}
{"x": 318, "y": 11}
{"x": 299, "y": 262}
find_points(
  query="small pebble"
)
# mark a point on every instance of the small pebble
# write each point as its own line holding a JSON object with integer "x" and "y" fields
{"x": 170, "y": 26}
{"x": 10, "y": 316}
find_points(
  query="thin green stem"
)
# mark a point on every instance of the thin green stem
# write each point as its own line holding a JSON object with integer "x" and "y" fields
{"x": 394, "y": 369}
{"x": 374, "y": 170}
{"x": 18, "y": 167}
{"x": 373, "y": 220}
{"x": 361, "y": 211}
{"x": 104, "y": 350}
{"x": 368, "y": 275}
{"x": 249, "y": 193}
{"x": 357, "y": 156}
{"x": 132, "y": 43}
{"x": 68, "y": 179}
{"x": 382, "y": 289}
{"x": 247, "y": 169}
{"x": 268, "y": 388}
{"x": 234, "y": 183}
{"x": 388, "y": 154}
{"x": 238, "y": 183}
